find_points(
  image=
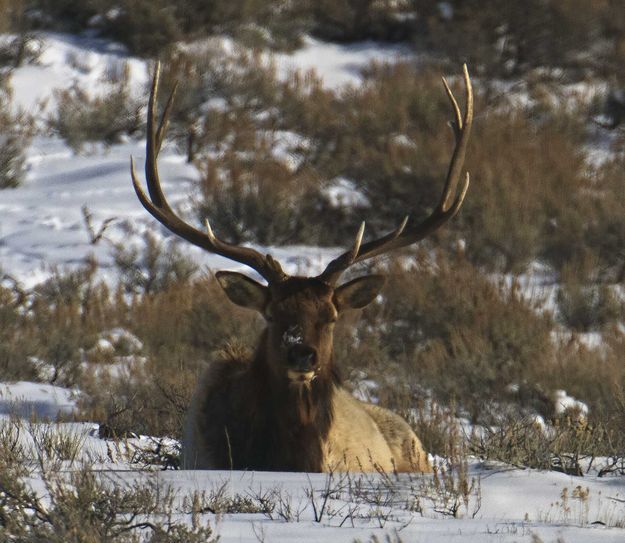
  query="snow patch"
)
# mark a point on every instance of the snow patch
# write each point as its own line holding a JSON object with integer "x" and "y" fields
{"x": 39, "y": 400}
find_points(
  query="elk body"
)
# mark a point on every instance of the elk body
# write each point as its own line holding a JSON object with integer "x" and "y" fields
{"x": 285, "y": 408}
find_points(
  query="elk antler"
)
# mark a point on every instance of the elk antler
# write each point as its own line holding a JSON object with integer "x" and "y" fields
{"x": 444, "y": 211}
{"x": 158, "y": 207}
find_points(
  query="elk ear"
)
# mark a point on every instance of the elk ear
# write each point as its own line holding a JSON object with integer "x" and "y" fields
{"x": 243, "y": 291}
{"x": 358, "y": 292}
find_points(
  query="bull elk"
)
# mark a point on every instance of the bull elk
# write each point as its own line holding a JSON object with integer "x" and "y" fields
{"x": 285, "y": 408}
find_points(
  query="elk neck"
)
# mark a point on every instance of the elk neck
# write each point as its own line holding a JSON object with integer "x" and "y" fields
{"x": 299, "y": 405}
{"x": 289, "y": 424}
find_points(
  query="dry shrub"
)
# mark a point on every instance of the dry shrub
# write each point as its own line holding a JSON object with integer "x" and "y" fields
{"x": 84, "y": 506}
{"x": 594, "y": 375}
{"x": 286, "y": 141}
{"x": 66, "y": 313}
{"x": 437, "y": 428}
{"x": 447, "y": 329}
{"x": 12, "y": 19}
{"x": 533, "y": 195}
{"x": 146, "y": 27}
{"x": 81, "y": 119}
{"x": 180, "y": 327}
{"x": 383, "y": 136}
{"x": 54, "y": 333}
{"x": 507, "y": 39}
{"x": 16, "y": 131}
{"x": 527, "y": 199}
{"x": 250, "y": 194}
{"x": 585, "y": 304}
{"x": 355, "y": 20}
{"x": 151, "y": 267}
{"x": 568, "y": 446}
{"x": 219, "y": 90}
{"x": 48, "y": 329}
{"x": 254, "y": 185}
{"x": 15, "y": 348}
{"x": 604, "y": 234}
{"x": 195, "y": 71}
{"x": 64, "y": 15}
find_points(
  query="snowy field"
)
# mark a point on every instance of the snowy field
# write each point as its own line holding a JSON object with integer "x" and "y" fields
{"x": 42, "y": 226}
{"x": 501, "y": 504}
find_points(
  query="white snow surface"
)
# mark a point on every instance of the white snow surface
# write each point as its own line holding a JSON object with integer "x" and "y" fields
{"x": 38, "y": 400}
{"x": 340, "y": 65}
{"x": 506, "y": 505}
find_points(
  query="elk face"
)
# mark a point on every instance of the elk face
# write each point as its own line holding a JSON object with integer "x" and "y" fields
{"x": 300, "y": 314}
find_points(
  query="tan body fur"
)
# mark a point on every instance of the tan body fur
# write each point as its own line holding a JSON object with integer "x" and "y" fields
{"x": 366, "y": 437}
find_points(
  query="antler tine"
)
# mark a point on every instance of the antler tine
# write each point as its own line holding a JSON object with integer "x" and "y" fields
{"x": 446, "y": 208}
{"x": 162, "y": 127}
{"x": 154, "y": 138}
{"x": 156, "y": 203}
{"x": 462, "y": 131}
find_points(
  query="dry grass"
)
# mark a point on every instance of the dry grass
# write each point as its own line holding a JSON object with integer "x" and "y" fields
{"x": 447, "y": 329}
{"x": 81, "y": 504}
{"x": 81, "y": 119}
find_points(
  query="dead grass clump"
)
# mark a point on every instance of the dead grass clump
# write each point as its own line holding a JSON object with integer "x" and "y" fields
{"x": 180, "y": 327}
{"x": 529, "y": 203}
{"x": 584, "y": 303}
{"x": 81, "y": 118}
{"x": 447, "y": 328}
{"x": 16, "y": 131}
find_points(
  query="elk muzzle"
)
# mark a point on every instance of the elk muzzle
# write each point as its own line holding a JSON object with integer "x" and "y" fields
{"x": 302, "y": 363}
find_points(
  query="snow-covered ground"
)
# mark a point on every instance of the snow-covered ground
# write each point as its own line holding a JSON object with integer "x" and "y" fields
{"x": 503, "y": 504}
{"x": 38, "y": 400}
{"x": 42, "y": 226}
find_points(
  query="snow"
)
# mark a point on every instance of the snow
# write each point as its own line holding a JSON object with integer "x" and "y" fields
{"x": 565, "y": 403}
{"x": 40, "y": 400}
{"x": 342, "y": 193}
{"x": 339, "y": 65}
{"x": 67, "y": 60}
{"x": 503, "y": 505}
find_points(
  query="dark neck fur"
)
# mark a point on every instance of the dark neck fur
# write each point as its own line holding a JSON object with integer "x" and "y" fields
{"x": 288, "y": 423}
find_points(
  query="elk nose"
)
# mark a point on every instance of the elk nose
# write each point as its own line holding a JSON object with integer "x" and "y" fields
{"x": 301, "y": 358}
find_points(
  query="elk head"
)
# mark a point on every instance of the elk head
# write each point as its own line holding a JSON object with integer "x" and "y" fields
{"x": 301, "y": 311}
